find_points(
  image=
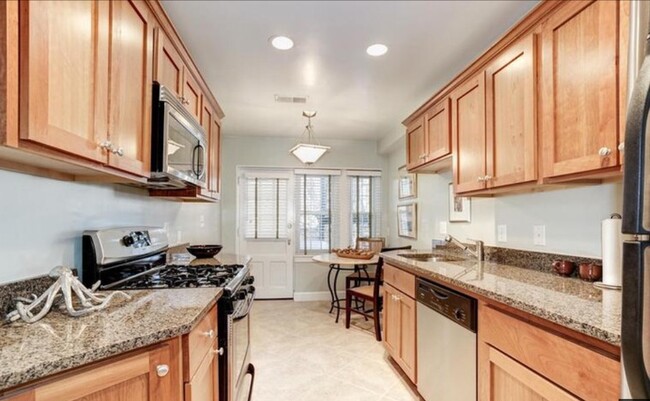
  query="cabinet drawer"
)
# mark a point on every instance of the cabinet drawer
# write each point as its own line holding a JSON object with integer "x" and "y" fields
{"x": 400, "y": 279}
{"x": 198, "y": 343}
{"x": 561, "y": 361}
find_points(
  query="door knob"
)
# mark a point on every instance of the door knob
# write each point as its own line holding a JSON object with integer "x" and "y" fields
{"x": 621, "y": 147}
{"x": 162, "y": 370}
{"x": 480, "y": 179}
{"x": 218, "y": 351}
{"x": 106, "y": 145}
{"x": 209, "y": 334}
{"x": 118, "y": 151}
{"x": 604, "y": 151}
{"x": 487, "y": 178}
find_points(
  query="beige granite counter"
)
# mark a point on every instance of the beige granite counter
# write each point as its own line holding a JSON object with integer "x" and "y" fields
{"x": 59, "y": 342}
{"x": 569, "y": 302}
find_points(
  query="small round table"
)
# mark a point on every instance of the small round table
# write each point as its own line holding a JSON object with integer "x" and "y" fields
{"x": 338, "y": 264}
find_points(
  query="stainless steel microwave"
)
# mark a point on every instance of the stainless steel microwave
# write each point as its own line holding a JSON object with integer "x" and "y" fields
{"x": 178, "y": 144}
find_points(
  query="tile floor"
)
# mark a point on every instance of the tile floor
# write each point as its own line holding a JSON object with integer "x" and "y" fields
{"x": 301, "y": 354}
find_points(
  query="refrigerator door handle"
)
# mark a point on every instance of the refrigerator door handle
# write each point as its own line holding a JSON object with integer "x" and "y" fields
{"x": 635, "y": 291}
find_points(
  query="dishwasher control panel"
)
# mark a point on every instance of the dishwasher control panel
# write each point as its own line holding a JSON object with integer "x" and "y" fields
{"x": 449, "y": 303}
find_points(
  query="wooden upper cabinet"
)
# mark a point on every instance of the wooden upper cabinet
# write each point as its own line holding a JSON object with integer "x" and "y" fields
{"x": 510, "y": 116}
{"x": 215, "y": 158}
{"x": 131, "y": 40}
{"x": 437, "y": 128}
{"x": 148, "y": 375}
{"x": 579, "y": 82}
{"x": 63, "y": 76}
{"x": 415, "y": 144}
{"x": 169, "y": 65}
{"x": 191, "y": 94}
{"x": 468, "y": 134}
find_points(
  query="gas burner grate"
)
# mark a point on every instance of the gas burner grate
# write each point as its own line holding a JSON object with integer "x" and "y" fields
{"x": 186, "y": 276}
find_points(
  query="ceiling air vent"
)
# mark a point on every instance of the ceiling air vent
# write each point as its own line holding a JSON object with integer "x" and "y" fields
{"x": 290, "y": 99}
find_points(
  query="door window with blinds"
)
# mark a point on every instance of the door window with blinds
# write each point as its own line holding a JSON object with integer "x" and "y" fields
{"x": 317, "y": 212}
{"x": 365, "y": 206}
{"x": 266, "y": 208}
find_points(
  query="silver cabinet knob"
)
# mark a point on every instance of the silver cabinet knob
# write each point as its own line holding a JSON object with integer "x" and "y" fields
{"x": 487, "y": 178}
{"x": 209, "y": 334}
{"x": 621, "y": 147}
{"x": 162, "y": 370}
{"x": 118, "y": 151}
{"x": 480, "y": 179}
{"x": 106, "y": 145}
{"x": 218, "y": 351}
{"x": 604, "y": 151}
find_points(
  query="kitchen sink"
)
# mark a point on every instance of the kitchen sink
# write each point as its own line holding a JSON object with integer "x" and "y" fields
{"x": 429, "y": 257}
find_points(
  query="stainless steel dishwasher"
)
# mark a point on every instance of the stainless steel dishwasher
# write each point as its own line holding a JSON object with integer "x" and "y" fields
{"x": 446, "y": 344}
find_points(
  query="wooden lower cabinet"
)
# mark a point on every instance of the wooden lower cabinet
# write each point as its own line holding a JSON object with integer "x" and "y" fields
{"x": 400, "y": 329}
{"x": 204, "y": 386}
{"x": 516, "y": 357}
{"x": 506, "y": 380}
{"x": 153, "y": 374}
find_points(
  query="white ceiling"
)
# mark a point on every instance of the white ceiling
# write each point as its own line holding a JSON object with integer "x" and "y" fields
{"x": 356, "y": 95}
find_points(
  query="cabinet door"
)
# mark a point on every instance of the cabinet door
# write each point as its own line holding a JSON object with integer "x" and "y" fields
{"x": 468, "y": 132}
{"x": 63, "y": 75}
{"x": 215, "y": 158}
{"x": 437, "y": 126}
{"x": 415, "y": 144}
{"x": 191, "y": 94}
{"x": 140, "y": 377}
{"x": 579, "y": 80}
{"x": 391, "y": 333}
{"x": 510, "y": 116}
{"x": 131, "y": 41}
{"x": 206, "y": 123}
{"x": 204, "y": 386}
{"x": 407, "y": 337}
{"x": 504, "y": 379}
{"x": 169, "y": 65}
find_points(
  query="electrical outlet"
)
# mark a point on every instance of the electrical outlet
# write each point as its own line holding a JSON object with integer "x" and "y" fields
{"x": 539, "y": 235}
{"x": 502, "y": 233}
{"x": 443, "y": 227}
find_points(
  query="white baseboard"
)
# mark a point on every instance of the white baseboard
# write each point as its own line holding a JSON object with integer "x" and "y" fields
{"x": 316, "y": 296}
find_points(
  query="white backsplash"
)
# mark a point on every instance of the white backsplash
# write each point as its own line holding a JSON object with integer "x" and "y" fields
{"x": 42, "y": 220}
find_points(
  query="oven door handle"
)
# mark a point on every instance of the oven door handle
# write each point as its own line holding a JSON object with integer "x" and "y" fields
{"x": 249, "y": 305}
{"x": 250, "y": 370}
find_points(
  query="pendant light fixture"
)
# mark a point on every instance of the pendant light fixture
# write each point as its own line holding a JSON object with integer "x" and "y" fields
{"x": 308, "y": 150}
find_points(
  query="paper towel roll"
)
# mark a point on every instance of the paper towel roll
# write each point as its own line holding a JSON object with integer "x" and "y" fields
{"x": 612, "y": 248}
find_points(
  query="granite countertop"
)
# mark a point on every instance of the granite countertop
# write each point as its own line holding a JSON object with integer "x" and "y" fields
{"x": 59, "y": 342}
{"x": 569, "y": 302}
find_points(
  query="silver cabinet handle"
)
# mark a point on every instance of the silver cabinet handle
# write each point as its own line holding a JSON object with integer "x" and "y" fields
{"x": 217, "y": 351}
{"x": 209, "y": 334}
{"x": 621, "y": 147}
{"x": 162, "y": 370}
{"x": 118, "y": 151}
{"x": 604, "y": 151}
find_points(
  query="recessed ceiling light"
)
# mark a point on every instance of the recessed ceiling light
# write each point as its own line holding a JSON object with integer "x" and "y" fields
{"x": 281, "y": 42}
{"x": 377, "y": 50}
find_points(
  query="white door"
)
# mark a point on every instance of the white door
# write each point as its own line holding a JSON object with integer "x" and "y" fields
{"x": 265, "y": 212}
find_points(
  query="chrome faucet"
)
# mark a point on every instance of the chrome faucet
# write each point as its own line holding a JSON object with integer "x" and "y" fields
{"x": 478, "y": 253}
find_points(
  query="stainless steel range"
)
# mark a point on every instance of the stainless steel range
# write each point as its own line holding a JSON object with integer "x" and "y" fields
{"x": 136, "y": 258}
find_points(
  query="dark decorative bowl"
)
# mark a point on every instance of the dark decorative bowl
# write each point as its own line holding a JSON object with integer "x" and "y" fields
{"x": 204, "y": 251}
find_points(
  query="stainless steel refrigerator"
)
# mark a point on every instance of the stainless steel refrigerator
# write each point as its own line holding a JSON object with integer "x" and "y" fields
{"x": 635, "y": 345}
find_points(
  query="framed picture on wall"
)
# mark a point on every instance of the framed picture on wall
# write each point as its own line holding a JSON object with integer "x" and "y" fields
{"x": 407, "y": 186}
{"x": 407, "y": 220}
{"x": 460, "y": 207}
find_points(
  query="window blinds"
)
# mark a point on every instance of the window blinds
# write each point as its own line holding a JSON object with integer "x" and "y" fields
{"x": 317, "y": 212}
{"x": 266, "y": 208}
{"x": 365, "y": 206}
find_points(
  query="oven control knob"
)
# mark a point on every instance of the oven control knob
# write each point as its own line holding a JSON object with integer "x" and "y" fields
{"x": 128, "y": 240}
{"x": 251, "y": 290}
{"x": 459, "y": 314}
{"x": 241, "y": 294}
{"x": 250, "y": 280}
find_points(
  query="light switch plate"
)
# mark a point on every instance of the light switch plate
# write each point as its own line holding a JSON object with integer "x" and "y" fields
{"x": 539, "y": 235}
{"x": 502, "y": 233}
{"x": 443, "y": 227}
